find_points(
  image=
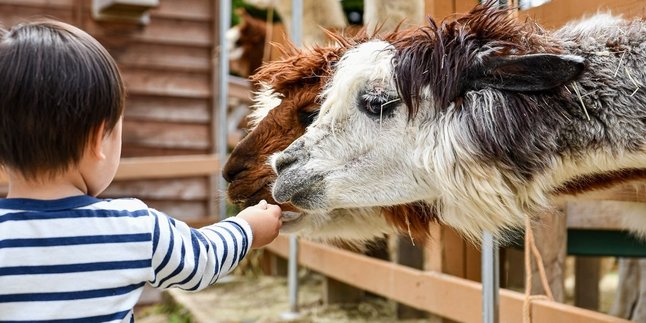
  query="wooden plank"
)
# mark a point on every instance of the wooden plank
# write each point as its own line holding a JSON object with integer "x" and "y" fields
{"x": 187, "y": 211}
{"x": 439, "y": 9}
{"x": 11, "y": 15}
{"x": 133, "y": 151}
{"x": 166, "y": 134}
{"x": 167, "y": 109}
{"x": 635, "y": 192}
{"x": 184, "y": 9}
{"x": 431, "y": 291}
{"x": 64, "y": 4}
{"x": 464, "y": 6}
{"x": 158, "y": 56}
{"x": 160, "y": 31}
{"x": 167, "y": 83}
{"x": 187, "y": 189}
{"x": 599, "y": 215}
{"x": 556, "y": 13}
{"x": 167, "y": 167}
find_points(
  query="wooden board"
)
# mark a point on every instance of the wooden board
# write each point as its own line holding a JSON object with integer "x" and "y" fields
{"x": 165, "y": 109}
{"x": 445, "y": 295}
{"x": 161, "y": 30}
{"x": 167, "y": 83}
{"x": 556, "y": 13}
{"x": 11, "y": 15}
{"x": 166, "y": 134}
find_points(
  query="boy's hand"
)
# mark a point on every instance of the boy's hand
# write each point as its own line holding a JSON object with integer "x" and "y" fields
{"x": 265, "y": 222}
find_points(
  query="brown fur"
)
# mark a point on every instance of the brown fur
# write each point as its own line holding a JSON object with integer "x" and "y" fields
{"x": 252, "y": 41}
{"x": 600, "y": 181}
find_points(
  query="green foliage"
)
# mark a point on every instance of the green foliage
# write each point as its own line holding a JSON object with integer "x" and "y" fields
{"x": 253, "y": 11}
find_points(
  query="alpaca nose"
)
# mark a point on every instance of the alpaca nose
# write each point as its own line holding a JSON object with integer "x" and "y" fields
{"x": 283, "y": 161}
{"x": 232, "y": 170}
{"x": 288, "y": 157}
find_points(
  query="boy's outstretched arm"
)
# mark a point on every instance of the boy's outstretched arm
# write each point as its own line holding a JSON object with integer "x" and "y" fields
{"x": 192, "y": 259}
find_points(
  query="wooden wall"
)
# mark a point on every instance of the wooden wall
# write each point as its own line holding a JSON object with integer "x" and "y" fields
{"x": 552, "y": 14}
{"x": 167, "y": 67}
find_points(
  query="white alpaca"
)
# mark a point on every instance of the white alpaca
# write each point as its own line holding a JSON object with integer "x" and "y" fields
{"x": 499, "y": 119}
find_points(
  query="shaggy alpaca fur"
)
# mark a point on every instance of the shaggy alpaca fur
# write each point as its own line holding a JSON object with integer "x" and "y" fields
{"x": 484, "y": 118}
{"x": 286, "y": 104}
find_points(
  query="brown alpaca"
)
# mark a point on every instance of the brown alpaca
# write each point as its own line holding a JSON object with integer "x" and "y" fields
{"x": 246, "y": 44}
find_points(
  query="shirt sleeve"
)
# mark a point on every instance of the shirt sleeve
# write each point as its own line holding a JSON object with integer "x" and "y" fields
{"x": 193, "y": 259}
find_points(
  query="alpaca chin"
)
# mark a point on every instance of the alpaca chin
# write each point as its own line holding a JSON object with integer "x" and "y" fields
{"x": 354, "y": 226}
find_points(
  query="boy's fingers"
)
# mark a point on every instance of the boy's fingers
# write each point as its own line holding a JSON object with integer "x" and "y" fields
{"x": 274, "y": 210}
{"x": 263, "y": 204}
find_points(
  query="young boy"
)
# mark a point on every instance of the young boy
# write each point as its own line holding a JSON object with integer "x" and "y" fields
{"x": 65, "y": 255}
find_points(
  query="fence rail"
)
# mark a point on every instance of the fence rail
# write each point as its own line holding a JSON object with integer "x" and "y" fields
{"x": 445, "y": 295}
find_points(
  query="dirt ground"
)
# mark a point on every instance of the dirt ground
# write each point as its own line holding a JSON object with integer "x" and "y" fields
{"x": 264, "y": 299}
{"x": 250, "y": 297}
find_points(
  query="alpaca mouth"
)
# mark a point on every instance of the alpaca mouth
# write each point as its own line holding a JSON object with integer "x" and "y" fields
{"x": 291, "y": 217}
{"x": 291, "y": 222}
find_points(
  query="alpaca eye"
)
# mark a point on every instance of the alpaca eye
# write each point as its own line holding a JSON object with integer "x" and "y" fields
{"x": 378, "y": 106}
{"x": 306, "y": 118}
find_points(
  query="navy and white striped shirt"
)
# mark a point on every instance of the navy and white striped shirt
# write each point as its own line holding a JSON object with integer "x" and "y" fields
{"x": 84, "y": 259}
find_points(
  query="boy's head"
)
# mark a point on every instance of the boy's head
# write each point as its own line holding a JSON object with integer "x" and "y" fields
{"x": 58, "y": 89}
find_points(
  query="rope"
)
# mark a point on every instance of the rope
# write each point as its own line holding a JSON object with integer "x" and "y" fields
{"x": 530, "y": 247}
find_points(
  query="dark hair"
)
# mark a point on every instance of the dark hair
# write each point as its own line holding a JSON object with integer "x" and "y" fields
{"x": 58, "y": 85}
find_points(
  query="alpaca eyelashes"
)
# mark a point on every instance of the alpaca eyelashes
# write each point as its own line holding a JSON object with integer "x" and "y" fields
{"x": 378, "y": 106}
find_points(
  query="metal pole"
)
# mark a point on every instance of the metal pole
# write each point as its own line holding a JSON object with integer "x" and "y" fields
{"x": 223, "y": 100}
{"x": 490, "y": 278}
{"x": 292, "y": 266}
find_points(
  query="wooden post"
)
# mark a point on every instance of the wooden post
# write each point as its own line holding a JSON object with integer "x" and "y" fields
{"x": 551, "y": 240}
{"x": 447, "y": 252}
{"x": 335, "y": 291}
{"x": 586, "y": 286}
{"x": 272, "y": 265}
{"x": 411, "y": 256}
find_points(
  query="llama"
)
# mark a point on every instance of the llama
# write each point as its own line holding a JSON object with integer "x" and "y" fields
{"x": 246, "y": 44}
{"x": 286, "y": 104}
{"x": 484, "y": 119}
{"x": 327, "y": 14}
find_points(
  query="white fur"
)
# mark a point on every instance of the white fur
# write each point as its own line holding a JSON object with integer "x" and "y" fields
{"x": 264, "y": 100}
{"x": 232, "y": 36}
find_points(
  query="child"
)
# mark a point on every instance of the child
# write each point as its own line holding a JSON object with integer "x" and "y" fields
{"x": 66, "y": 255}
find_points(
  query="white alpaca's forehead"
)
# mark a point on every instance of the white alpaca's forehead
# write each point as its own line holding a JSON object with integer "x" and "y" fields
{"x": 366, "y": 65}
{"x": 265, "y": 100}
{"x": 371, "y": 59}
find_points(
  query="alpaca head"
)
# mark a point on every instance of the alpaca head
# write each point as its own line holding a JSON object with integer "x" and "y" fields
{"x": 397, "y": 121}
{"x": 287, "y": 103}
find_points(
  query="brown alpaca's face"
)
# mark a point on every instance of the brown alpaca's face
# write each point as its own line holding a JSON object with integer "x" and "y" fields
{"x": 247, "y": 169}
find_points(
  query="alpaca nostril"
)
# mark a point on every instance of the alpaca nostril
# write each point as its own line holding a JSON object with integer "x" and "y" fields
{"x": 283, "y": 161}
{"x": 232, "y": 170}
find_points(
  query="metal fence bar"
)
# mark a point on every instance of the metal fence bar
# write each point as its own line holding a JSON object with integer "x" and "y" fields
{"x": 292, "y": 265}
{"x": 490, "y": 279}
{"x": 223, "y": 99}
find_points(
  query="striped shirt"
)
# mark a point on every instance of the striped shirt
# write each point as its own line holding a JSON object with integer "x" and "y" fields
{"x": 84, "y": 259}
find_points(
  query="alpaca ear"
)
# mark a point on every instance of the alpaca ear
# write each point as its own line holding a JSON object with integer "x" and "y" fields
{"x": 529, "y": 73}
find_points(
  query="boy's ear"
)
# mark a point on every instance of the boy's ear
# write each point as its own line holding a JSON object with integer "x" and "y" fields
{"x": 96, "y": 142}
